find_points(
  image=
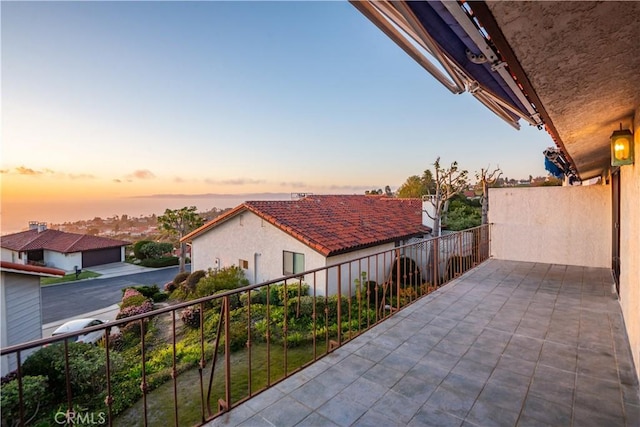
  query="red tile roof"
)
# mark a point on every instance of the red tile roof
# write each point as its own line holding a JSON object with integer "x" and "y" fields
{"x": 55, "y": 240}
{"x": 333, "y": 224}
{"x": 30, "y": 269}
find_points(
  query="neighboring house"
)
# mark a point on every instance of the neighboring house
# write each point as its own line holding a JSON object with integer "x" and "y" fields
{"x": 20, "y": 307}
{"x": 58, "y": 249}
{"x": 272, "y": 239}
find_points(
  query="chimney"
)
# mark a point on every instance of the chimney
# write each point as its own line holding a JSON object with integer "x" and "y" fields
{"x": 42, "y": 226}
{"x": 33, "y": 225}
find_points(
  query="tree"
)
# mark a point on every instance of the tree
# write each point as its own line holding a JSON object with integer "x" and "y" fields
{"x": 428, "y": 183}
{"x": 417, "y": 186}
{"x": 179, "y": 223}
{"x": 412, "y": 188}
{"x": 448, "y": 183}
{"x": 485, "y": 179}
{"x": 461, "y": 215}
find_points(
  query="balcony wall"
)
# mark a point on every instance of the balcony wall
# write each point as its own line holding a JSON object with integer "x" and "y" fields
{"x": 555, "y": 225}
{"x": 630, "y": 246}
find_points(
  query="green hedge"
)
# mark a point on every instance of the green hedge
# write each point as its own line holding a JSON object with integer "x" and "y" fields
{"x": 160, "y": 262}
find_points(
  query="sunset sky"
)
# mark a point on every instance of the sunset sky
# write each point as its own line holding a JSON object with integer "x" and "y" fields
{"x": 107, "y": 103}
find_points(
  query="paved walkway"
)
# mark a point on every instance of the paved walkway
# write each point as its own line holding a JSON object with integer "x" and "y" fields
{"x": 509, "y": 343}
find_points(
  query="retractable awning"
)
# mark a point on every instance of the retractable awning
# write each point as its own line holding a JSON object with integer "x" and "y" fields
{"x": 446, "y": 39}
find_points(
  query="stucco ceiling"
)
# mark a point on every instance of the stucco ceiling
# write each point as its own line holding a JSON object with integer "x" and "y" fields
{"x": 583, "y": 61}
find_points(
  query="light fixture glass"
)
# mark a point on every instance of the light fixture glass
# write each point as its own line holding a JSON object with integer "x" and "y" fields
{"x": 621, "y": 147}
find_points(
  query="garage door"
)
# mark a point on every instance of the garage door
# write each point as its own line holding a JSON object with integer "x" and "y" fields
{"x": 100, "y": 256}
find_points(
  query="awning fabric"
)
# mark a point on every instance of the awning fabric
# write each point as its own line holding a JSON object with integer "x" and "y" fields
{"x": 454, "y": 42}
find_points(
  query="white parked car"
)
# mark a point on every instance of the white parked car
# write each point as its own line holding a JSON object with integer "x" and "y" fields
{"x": 80, "y": 324}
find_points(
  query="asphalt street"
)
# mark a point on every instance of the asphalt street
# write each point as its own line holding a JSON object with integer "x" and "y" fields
{"x": 74, "y": 298}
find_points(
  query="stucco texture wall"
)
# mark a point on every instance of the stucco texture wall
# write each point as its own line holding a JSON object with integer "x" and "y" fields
{"x": 241, "y": 237}
{"x": 63, "y": 262}
{"x": 630, "y": 246}
{"x": 556, "y": 225}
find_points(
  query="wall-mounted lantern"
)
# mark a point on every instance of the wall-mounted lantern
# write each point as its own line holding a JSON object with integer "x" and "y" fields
{"x": 621, "y": 147}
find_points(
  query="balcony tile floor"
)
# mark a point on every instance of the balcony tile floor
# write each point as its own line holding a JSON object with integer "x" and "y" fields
{"x": 506, "y": 344}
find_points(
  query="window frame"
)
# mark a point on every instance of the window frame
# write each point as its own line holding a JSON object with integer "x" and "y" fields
{"x": 295, "y": 260}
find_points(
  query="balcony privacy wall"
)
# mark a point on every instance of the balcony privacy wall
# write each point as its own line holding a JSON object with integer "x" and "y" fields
{"x": 555, "y": 225}
{"x": 630, "y": 246}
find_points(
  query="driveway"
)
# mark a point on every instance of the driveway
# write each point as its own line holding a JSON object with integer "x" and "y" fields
{"x": 117, "y": 269}
{"x": 76, "y": 299}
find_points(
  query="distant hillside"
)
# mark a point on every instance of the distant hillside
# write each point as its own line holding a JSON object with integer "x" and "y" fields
{"x": 126, "y": 227}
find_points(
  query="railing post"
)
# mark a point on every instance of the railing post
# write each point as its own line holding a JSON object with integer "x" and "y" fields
{"x": 174, "y": 371}
{"x": 249, "y": 393}
{"x": 108, "y": 400}
{"x": 398, "y": 279}
{"x": 143, "y": 383}
{"x": 227, "y": 353}
{"x": 201, "y": 364}
{"x": 339, "y": 308}
{"x": 20, "y": 388}
{"x": 285, "y": 328}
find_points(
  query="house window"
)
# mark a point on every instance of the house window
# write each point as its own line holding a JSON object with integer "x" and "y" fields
{"x": 243, "y": 263}
{"x": 293, "y": 263}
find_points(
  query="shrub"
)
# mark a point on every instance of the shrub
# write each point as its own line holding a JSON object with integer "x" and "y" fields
{"x": 409, "y": 273}
{"x": 130, "y": 292}
{"x": 259, "y": 296}
{"x": 133, "y": 330}
{"x": 34, "y": 392}
{"x": 116, "y": 341}
{"x": 193, "y": 279}
{"x": 160, "y": 296}
{"x": 180, "y": 277}
{"x": 293, "y": 290}
{"x": 152, "y": 292}
{"x": 160, "y": 262}
{"x": 169, "y": 287}
{"x": 238, "y": 336}
{"x": 223, "y": 279}
{"x": 294, "y": 339}
{"x": 133, "y": 301}
{"x": 87, "y": 371}
{"x": 276, "y": 294}
{"x": 145, "y": 307}
{"x": 137, "y": 249}
{"x": 191, "y": 316}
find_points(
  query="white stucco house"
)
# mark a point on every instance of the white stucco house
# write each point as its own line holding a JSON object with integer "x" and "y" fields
{"x": 273, "y": 239}
{"x": 20, "y": 307}
{"x": 58, "y": 249}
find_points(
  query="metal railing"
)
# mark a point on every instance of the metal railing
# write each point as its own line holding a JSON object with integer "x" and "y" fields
{"x": 225, "y": 348}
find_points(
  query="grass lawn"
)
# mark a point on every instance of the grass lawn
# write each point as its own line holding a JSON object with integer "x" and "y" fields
{"x": 86, "y": 274}
{"x": 160, "y": 401}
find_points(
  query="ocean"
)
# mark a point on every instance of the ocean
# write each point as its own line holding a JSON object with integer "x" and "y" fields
{"x": 14, "y": 217}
